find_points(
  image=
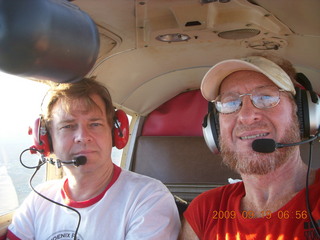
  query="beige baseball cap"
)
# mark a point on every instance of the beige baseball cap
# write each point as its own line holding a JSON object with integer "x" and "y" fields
{"x": 212, "y": 80}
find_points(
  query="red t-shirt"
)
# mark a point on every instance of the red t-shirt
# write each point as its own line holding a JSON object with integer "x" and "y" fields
{"x": 216, "y": 214}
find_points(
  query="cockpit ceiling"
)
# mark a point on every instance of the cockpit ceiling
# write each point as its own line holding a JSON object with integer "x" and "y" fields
{"x": 151, "y": 50}
{"x": 236, "y": 20}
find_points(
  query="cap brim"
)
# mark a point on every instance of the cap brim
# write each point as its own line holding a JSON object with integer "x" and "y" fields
{"x": 213, "y": 78}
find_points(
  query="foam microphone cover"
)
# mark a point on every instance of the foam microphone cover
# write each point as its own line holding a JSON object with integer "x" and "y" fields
{"x": 81, "y": 160}
{"x": 47, "y": 40}
{"x": 264, "y": 145}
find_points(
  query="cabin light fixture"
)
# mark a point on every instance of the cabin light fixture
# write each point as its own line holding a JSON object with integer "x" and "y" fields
{"x": 173, "y": 37}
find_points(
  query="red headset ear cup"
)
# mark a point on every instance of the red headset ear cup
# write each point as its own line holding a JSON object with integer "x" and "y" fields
{"x": 41, "y": 138}
{"x": 121, "y": 129}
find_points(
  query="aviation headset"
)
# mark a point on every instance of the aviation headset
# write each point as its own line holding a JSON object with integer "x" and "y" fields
{"x": 308, "y": 112}
{"x": 42, "y": 139}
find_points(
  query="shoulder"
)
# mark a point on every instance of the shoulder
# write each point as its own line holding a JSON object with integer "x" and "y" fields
{"x": 221, "y": 192}
{"x": 139, "y": 178}
{"x": 48, "y": 188}
{"x": 146, "y": 195}
{"x": 133, "y": 180}
{"x": 201, "y": 209}
{"x": 152, "y": 210}
{"x": 217, "y": 196}
{"x": 51, "y": 185}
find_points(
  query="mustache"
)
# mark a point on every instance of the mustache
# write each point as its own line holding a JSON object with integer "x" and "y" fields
{"x": 255, "y": 126}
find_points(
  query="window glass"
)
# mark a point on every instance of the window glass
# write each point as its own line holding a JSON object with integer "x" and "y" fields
{"x": 20, "y": 102}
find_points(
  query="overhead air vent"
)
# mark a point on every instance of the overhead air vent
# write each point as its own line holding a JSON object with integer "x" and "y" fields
{"x": 239, "y": 33}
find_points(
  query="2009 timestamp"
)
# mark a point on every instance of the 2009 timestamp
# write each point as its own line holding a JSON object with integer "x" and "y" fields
{"x": 298, "y": 214}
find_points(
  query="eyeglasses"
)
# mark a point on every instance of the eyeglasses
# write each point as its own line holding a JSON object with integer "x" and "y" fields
{"x": 261, "y": 97}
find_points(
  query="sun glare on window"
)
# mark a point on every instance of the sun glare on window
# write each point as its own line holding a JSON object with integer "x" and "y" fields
{"x": 20, "y": 101}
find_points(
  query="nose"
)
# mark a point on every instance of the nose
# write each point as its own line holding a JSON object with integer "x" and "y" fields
{"x": 82, "y": 135}
{"x": 248, "y": 113}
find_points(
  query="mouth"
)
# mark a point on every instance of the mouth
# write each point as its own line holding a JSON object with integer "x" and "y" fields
{"x": 83, "y": 153}
{"x": 254, "y": 136}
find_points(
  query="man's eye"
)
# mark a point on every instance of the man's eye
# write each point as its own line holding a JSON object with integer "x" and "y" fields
{"x": 67, "y": 127}
{"x": 96, "y": 124}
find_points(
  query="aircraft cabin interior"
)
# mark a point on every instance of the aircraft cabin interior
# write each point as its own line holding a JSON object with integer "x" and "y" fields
{"x": 152, "y": 56}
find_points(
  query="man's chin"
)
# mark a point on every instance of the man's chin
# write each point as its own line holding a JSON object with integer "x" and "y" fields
{"x": 252, "y": 163}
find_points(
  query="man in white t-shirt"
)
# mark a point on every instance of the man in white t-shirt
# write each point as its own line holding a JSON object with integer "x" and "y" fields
{"x": 96, "y": 200}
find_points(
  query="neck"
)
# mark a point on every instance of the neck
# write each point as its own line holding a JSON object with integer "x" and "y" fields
{"x": 87, "y": 185}
{"x": 272, "y": 191}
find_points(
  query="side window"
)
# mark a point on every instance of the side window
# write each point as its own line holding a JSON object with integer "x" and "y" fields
{"x": 20, "y": 102}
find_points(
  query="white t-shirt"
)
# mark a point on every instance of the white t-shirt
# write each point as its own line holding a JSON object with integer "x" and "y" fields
{"x": 133, "y": 207}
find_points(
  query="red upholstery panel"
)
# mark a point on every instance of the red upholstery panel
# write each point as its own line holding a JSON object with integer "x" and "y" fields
{"x": 180, "y": 116}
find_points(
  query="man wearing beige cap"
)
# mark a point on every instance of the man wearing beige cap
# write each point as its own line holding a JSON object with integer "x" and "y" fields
{"x": 255, "y": 98}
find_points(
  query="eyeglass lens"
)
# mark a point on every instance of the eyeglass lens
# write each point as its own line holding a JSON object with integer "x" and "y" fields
{"x": 261, "y": 97}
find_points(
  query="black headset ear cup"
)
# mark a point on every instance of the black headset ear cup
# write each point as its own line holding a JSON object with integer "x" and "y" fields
{"x": 302, "y": 112}
{"x": 308, "y": 103}
{"x": 211, "y": 129}
{"x": 308, "y": 112}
